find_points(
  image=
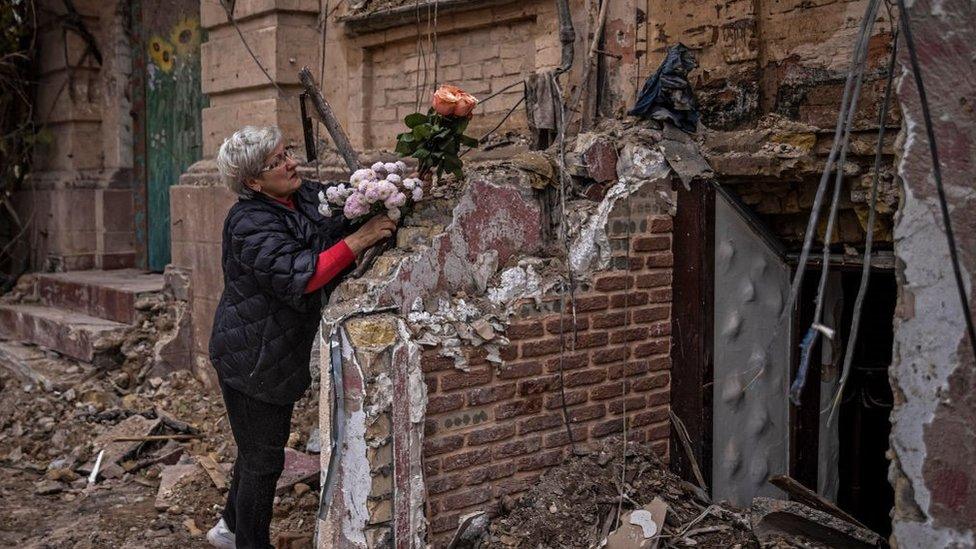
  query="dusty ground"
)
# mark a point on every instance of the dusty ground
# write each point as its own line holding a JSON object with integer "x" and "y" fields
{"x": 46, "y": 438}
{"x": 575, "y": 505}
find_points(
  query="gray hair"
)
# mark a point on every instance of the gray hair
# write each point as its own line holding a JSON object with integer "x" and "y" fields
{"x": 241, "y": 156}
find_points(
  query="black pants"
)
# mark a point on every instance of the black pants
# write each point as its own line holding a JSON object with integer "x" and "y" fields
{"x": 261, "y": 432}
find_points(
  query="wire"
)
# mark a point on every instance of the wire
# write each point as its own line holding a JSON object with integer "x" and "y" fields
{"x": 869, "y": 239}
{"x": 937, "y": 173}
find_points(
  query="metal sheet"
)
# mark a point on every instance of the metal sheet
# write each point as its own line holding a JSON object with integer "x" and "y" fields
{"x": 752, "y": 358}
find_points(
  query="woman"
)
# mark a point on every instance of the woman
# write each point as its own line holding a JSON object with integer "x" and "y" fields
{"x": 281, "y": 259}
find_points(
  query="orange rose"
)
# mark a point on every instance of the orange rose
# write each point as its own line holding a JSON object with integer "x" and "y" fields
{"x": 453, "y": 101}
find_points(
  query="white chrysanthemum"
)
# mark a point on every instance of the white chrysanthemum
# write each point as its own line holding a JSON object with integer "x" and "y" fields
{"x": 325, "y": 210}
{"x": 394, "y": 178}
{"x": 418, "y": 194}
{"x": 322, "y": 197}
{"x": 378, "y": 167}
{"x": 391, "y": 167}
{"x": 401, "y": 166}
{"x": 393, "y": 213}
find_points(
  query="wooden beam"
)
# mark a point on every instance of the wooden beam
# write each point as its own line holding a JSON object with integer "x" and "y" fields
{"x": 810, "y": 498}
{"x": 327, "y": 116}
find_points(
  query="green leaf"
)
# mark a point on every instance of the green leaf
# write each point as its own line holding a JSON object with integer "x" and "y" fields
{"x": 407, "y": 138}
{"x": 469, "y": 141}
{"x": 422, "y": 131}
{"x": 463, "y": 125}
{"x": 414, "y": 120}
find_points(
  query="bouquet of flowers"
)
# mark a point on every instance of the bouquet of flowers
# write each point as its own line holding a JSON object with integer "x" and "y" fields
{"x": 435, "y": 138}
{"x": 383, "y": 187}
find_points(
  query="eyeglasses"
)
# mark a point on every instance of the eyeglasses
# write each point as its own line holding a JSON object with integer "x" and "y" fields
{"x": 279, "y": 159}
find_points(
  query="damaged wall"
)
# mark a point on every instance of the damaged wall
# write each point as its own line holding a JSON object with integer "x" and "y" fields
{"x": 475, "y": 282}
{"x": 933, "y": 438}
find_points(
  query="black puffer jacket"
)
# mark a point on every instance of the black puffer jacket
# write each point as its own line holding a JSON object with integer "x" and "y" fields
{"x": 265, "y": 323}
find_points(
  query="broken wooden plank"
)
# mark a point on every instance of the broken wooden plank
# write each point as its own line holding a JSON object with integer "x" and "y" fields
{"x": 118, "y": 442}
{"x": 213, "y": 471}
{"x": 810, "y": 498}
{"x": 150, "y": 438}
{"x": 327, "y": 116}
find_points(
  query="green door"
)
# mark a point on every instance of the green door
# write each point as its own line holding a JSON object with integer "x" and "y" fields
{"x": 174, "y": 101}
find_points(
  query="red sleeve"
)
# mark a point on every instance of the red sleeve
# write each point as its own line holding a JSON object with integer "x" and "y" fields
{"x": 331, "y": 262}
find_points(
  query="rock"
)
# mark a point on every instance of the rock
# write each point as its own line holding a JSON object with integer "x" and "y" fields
{"x": 66, "y": 475}
{"x": 172, "y": 476}
{"x": 299, "y": 467}
{"x": 300, "y": 489}
{"x": 600, "y": 159}
{"x": 293, "y": 440}
{"x": 314, "y": 444}
{"x": 48, "y": 487}
{"x": 192, "y": 528}
{"x": 640, "y": 162}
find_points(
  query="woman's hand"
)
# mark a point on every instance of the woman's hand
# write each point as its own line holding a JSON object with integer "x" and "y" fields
{"x": 377, "y": 229}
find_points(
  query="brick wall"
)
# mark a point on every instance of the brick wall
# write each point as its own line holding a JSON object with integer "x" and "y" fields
{"x": 482, "y": 61}
{"x": 492, "y": 431}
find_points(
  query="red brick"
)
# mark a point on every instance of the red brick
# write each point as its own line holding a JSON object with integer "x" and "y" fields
{"x": 661, "y": 224}
{"x": 467, "y": 498}
{"x": 630, "y": 299}
{"x": 652, "y": 243}
{"x": 651, "y": 382}
{"x": 491, "y": 434}
{"x": 604, "y": 392}
{"x": 613, "y": 354}
{"x": 517, "y": 447}
{"x": 629, "y": 334}
{"x": 659, "y": 295}
{"x": 431, "y": 382}
{"x": 517, "y": 408}
{"x": 651, "y": 314}
{"x": 614, "y": 283}
{"x": 478, "y": 476}
{"x": 660, "y": 259}
{"x": 538, "y": 385}
{"x": 633, "y": 404}
{"x": 636, "y": 368}
{"x": 591, "y": 303}
{"x": 508, "y": 353}
{"x": 587, "y": 413}
{"x": 515, "y": 485}
{"x": 553, "y": 325}
{"x": 609, "y": 320}
{"x": 560, "y": 438}
{"x": 542, "y": 460}
{"x": 660, "y": 328}
{"x": 524, "y": 330}
{"x": 572, "y": 398}
{"x": 446, "y": 483}
{"x": 605, "y": 428}
{"x": 661, "y": 449}
{"x": 444, "y": 403}
{"x": 501, "y": 470}
{"x": 539, "y": 423}
{"x": 658, "y": 398}
{"x": 541, "y": 347}
{"x": 572, "y": 361}
{"x": 585, "y": 377}
{"x": 430, "y": 428}
{"x": 435, "y": 446}
{"x": 465, "y": 460}
{"x": 659, "y": 431}
{"x": 654, "y": 415}
{"x": 653, "y": 347}
{"x": 654, "y": 280}
{"x": 432, "y": 467}
{"x": 590, "y": 340}
{"x": 436, "y": 363}
{"x": 444, "y": 522}
{"x": 519, "y": 369}
{"x": 488, "y": 395}
{"x": 460, "y": 380}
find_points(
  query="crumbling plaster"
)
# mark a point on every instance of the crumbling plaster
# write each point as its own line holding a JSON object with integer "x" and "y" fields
{"x": 933, "y": 438}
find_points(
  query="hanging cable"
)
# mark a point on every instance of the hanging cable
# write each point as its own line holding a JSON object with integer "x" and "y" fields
{"x": 937, "y": 172}
{"x": 857, "y": 71}
{"x": 869, "y": 239}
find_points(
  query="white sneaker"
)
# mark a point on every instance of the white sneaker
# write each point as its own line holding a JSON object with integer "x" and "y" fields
{"x": 220, "y": 536}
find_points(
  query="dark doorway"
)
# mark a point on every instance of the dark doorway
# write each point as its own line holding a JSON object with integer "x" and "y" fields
{"x": 850, "y": 452}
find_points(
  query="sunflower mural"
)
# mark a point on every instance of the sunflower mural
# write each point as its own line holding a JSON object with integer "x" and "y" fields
{"x": 161, "y": 53}
{"x": 185, "y": 37}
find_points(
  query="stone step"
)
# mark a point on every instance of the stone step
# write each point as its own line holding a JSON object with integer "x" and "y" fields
{"x": 111, "y": 295}
{"x": 76, "y": 335}
{"x": 45, "y": 369}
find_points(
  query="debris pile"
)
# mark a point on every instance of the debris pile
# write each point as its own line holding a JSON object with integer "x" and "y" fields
{"x": 115, "y": 462}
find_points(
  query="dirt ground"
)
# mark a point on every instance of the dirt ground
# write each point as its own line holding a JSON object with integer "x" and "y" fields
{"x": 47, "y": 447}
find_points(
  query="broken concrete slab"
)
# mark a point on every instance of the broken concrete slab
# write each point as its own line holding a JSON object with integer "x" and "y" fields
{"x": 299, "y": 467}
{"x": 79, "y": 336}
{"x": 33, "y": 365}
{"x": 640, "y": 528}
{"x": 171, "y": 478}
{"x": 772, "y": 518}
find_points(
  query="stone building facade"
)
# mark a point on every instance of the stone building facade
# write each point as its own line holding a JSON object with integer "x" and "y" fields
{"x": 769, "y": 82}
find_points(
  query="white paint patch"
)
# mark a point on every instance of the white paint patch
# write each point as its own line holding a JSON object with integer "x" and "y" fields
{"x": 355, "y": 481}
{"x": 644, "y": 519}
